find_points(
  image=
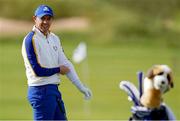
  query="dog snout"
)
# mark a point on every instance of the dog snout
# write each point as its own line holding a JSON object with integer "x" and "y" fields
{"x": 163, "y": 82}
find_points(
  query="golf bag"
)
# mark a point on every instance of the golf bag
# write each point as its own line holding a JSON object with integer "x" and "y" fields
{"x": 140, "y": 112}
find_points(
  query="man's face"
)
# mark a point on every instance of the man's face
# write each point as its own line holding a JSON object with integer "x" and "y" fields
{"x": 43, "y": 23}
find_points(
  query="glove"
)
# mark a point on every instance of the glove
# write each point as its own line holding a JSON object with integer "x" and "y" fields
{"x": 87, "y": 92}
{"x": 75, "y": 80}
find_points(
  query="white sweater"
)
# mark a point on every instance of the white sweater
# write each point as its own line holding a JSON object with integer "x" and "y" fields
{"x": 42, "y": 57}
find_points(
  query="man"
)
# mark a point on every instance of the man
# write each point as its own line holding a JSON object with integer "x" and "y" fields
{"x": 44, "y": 62}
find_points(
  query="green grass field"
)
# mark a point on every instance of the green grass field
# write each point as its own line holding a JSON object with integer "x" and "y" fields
{"x": 107, "y": 64}
{"x": 124, "y": 36}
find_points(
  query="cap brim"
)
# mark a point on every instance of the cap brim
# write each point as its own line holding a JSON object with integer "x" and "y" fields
{"x": 44, "y": 14}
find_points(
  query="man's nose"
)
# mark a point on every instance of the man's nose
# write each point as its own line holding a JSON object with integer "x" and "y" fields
{"x": 45, "y": 21}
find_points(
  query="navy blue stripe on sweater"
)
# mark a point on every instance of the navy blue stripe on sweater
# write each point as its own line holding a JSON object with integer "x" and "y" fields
{"x": 31, "y": 55}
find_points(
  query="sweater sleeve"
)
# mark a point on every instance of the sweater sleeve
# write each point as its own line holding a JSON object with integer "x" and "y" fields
{"x": 72, "y": 75}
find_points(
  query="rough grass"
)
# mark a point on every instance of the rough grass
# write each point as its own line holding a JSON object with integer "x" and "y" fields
{"x": 125, "y": 37}
{"x": 107, "y": 65}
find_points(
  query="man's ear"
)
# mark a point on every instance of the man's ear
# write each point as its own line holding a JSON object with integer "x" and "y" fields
{"x": 34, "y": 18}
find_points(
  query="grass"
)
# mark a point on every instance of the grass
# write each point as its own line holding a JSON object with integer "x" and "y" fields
{"x": 107, "y": 64}
{"x": 124, "y": 37}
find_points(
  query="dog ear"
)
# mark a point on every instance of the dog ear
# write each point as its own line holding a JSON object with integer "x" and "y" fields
{"x": 170, "y": 79}
{"x": 150, "y": 73}
{"x": 156, "y": 69}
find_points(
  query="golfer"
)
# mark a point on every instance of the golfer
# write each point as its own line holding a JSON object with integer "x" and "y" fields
{"x": 45, "y": 62}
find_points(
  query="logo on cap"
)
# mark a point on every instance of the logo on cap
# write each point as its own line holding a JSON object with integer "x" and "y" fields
{"x": 45, "y": 9}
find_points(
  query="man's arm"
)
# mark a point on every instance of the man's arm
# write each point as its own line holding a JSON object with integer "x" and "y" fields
{"x": 72, "y": 75}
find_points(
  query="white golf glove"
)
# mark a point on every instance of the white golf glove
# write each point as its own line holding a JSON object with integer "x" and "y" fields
{"x": 87, "y": 92}
{"x": 75, "y": 80}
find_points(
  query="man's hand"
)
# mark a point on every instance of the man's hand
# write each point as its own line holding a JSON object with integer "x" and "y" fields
{"x": 64, "y": 70}
{"x": 87, "y": 93}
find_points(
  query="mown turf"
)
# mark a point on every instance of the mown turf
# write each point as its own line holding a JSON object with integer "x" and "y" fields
{"x": 107, "y": 65}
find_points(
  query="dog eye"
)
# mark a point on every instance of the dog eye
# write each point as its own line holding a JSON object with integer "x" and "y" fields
{"x": 161, "y": 73}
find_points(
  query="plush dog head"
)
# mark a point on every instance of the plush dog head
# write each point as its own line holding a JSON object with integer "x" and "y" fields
{"x": 161, "y": 77}
{"x": 157, "y": 81}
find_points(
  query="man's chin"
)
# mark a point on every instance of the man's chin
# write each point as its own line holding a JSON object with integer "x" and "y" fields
{"x": 45, "y": 30}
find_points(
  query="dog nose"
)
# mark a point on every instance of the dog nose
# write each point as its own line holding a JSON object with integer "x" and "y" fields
{"x": 163, "y": 82}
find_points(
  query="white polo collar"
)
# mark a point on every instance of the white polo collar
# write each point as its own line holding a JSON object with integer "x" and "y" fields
{"x": 39, "y": 32}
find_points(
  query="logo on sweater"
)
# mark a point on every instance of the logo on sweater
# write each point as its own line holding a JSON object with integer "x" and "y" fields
{"x": 55, "y": 48}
